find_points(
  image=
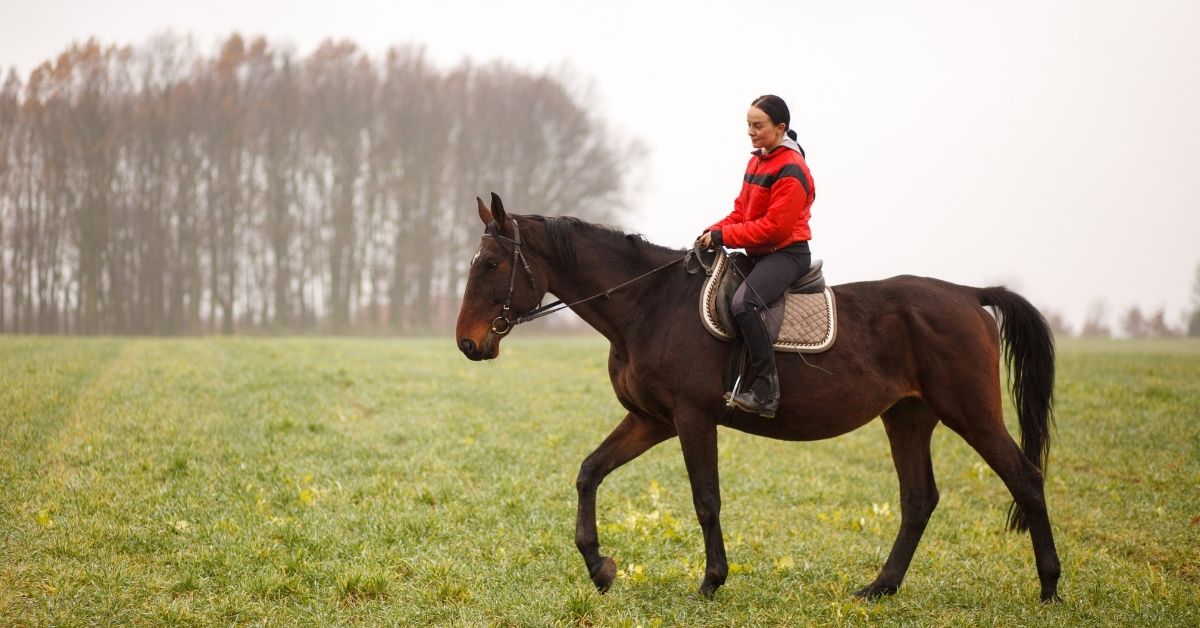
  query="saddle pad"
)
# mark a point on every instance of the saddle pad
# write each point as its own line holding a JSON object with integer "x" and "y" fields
{"x": 807, "y": 323}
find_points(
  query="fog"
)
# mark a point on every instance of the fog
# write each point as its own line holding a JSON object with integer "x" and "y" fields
{"x": 1049, "y": 146}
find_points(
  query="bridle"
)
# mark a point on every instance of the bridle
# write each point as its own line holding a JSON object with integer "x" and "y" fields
{"x": 502, "y": 324}
{"x": 508, "y": 323}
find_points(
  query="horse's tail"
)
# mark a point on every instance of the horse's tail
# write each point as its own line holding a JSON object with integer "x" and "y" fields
{"x": 1029, "y": 355}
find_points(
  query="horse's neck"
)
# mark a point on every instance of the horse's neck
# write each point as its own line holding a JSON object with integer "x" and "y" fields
{"x": 623, "y": 312}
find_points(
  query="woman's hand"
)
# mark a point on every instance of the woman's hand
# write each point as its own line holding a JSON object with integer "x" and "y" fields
{"x": 709, "y": 241}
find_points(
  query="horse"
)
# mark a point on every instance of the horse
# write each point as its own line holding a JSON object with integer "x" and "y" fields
{"x": 914, "y": 351}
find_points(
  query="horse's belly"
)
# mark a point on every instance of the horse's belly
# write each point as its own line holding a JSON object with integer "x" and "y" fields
{"x": 796, "y": 426}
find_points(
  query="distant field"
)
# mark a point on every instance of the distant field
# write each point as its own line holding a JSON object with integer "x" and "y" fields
{"x": 375, "y": 482}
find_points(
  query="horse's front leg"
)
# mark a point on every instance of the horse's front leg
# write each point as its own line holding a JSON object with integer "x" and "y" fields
{"x": 632, "y": 436}
{"x": 698, "y": 438}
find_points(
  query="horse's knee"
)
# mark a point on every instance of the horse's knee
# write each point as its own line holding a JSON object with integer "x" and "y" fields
{"x": 587, "y": 477}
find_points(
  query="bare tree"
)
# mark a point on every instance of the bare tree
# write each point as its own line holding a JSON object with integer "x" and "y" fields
{"x": 10, "y": 94}
{"x": 1094, "y": 325}
{"x": 1133, "y": 323}
{"x": 1158, "y": 327}
{"x": 340, "y": 83}
{"x": 1057, "y": 322}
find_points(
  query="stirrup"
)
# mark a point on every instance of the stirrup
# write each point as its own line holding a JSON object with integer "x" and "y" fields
{"x": 752, "y": 404}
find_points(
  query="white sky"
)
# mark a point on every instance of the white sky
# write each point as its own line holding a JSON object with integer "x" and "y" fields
{"x": 1050, "y": 145}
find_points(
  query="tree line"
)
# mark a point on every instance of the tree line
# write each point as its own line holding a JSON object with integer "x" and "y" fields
{"x": 158, "y": 190}
{"x": 1133, "y": 322}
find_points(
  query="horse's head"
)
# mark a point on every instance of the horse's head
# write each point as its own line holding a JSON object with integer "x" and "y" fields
{"x": 504, "y": 282}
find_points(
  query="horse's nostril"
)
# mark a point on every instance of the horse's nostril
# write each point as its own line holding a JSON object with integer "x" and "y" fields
{"x": 467, "y": 345}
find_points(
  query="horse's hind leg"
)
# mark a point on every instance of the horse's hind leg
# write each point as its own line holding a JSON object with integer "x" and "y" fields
{"x": 909, "y": 425}
{"x": 632, "y": 436}
{"x": 1024, "y": 481}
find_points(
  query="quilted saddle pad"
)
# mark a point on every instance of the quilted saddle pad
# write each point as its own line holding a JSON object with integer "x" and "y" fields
{"x": 800, "y": 323}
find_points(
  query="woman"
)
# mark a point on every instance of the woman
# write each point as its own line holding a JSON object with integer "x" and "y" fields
{"x": 769, "y": 220}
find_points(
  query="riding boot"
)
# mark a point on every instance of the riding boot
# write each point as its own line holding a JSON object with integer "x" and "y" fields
{"x": 762, "y": 396}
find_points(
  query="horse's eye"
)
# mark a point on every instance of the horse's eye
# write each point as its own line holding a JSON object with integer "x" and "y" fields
{"x": 491, "y": 264}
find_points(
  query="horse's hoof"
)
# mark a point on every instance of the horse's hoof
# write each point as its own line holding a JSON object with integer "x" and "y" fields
{"x": 708, "y": 588}
{"x": 875, "y": 591}
{"x": 604, "y": 573}
{"x": 1052, "y": 598}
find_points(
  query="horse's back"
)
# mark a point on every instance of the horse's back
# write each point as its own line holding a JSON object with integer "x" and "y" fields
{"x": 904, "y": 289}
{"x": 912, "y": 299}
{"x": 918, "y": 322}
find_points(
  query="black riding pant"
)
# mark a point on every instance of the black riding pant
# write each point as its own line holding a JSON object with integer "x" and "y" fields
{"x": 771, "y": 276}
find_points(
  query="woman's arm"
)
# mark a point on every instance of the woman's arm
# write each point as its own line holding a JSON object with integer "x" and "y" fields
{"x": 775, "y": 227}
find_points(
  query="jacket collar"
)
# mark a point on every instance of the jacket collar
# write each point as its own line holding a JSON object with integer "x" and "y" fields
{"x": 788, "y": 143}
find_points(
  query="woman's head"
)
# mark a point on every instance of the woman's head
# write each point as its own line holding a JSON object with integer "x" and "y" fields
{"x": 768, "y": 121}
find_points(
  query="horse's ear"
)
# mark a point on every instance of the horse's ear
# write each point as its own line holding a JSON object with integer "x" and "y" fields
{"x": 498, "y": 211}
{"x": 484, "y": 213}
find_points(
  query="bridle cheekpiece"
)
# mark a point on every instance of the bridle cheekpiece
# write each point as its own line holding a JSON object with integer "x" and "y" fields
{"x": 502, "y": 324}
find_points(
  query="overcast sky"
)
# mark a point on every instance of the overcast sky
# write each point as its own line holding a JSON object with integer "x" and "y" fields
{"x": 1052, "y": 146}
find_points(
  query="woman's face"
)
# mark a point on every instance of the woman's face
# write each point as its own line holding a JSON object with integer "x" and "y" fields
{"x": 762, "y": 133}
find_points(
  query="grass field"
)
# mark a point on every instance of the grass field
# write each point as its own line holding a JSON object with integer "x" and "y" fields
{"x": 392, "y": 482}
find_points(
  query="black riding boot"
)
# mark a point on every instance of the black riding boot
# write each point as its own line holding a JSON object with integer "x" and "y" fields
{"x": 762, "y": 396}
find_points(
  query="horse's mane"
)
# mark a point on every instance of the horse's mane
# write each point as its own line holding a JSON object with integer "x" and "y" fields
{"x": 564, "y": 231}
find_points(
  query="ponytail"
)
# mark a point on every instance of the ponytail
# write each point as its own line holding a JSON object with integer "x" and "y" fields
{"x": 792, "y": 134}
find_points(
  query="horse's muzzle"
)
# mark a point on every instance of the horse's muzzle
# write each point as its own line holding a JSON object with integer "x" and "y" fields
{"x": 475, "y": 352}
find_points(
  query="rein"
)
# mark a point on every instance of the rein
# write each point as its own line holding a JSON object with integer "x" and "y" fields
{"x": 502, "y": 324}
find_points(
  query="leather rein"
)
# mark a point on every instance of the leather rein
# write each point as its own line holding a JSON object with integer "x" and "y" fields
{"x": 502, "y": 324}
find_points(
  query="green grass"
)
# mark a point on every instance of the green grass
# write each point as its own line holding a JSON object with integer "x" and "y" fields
{"x": 377, "y": 482}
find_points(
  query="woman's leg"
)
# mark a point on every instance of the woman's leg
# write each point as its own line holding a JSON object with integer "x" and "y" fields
{"x": 771, "y": 276}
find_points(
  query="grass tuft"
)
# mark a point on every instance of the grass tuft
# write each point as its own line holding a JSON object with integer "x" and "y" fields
{"x": 187, "y": 584}
{"x": 582, "y": 607}
{"x": 359, "y": 586}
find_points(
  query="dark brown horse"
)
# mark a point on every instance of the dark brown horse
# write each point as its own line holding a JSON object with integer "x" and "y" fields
{"x": 913, "y": 350}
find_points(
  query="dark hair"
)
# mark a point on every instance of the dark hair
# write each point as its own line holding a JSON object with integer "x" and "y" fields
{"x": 777, "y": 111}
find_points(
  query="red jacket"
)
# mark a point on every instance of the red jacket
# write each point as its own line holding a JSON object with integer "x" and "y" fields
{"x": 773, "y": 207}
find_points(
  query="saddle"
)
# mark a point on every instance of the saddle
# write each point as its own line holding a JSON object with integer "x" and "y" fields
{"x": 803, "y": 320}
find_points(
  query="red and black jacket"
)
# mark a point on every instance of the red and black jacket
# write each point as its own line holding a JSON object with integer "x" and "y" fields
{"x": 774, "y": 205}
